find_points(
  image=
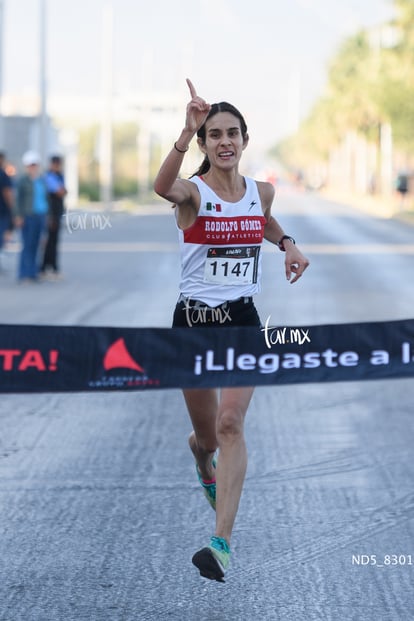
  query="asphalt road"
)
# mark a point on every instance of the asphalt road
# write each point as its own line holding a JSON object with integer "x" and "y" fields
{"x": 100, "y": 510}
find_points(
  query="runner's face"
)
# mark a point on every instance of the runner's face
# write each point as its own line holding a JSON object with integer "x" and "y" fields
{"x": 224, "y": 141}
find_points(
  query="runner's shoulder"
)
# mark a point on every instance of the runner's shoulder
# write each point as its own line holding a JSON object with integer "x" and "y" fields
{"x": 266, "y": 192}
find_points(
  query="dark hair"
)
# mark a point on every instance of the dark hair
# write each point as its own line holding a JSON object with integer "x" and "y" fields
{"x": 223, "y": 106}
{"x": 55, "y": 159}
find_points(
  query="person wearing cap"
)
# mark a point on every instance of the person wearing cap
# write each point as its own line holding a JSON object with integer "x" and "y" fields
{"x": 30, "y": 215}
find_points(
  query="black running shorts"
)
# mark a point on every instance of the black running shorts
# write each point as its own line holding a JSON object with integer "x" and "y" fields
{"x": 191, "y": 313}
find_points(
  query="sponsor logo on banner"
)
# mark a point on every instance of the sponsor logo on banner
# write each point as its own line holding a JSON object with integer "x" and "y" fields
{"x": 116, "y": 358}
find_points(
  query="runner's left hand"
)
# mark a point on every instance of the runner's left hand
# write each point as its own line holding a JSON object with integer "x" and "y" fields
{"x": 295, "y": 263}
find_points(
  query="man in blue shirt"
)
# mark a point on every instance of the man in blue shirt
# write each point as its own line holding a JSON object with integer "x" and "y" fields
{"x": 55, "y": 184}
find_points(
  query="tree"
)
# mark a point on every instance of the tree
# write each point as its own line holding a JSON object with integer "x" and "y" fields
{"x": 370, "y": 82}
{"x": 397, "y": 88}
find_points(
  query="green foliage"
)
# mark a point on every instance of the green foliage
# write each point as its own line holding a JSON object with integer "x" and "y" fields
{"x": 124, "y": 161}
{"x": 89, "y": 190}
{"x": 405, "y": 22}
{"x": 352, "y": 80}
{"x": 370, "y": 81}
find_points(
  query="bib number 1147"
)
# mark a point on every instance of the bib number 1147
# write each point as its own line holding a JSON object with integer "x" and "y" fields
{"x": 230, "y": 266}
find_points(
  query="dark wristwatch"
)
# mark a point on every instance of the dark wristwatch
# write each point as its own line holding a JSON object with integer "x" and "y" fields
{"x": 280, "y": 243}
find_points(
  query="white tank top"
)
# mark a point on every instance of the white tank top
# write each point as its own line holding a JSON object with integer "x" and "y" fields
{"x": 220, "y": 252}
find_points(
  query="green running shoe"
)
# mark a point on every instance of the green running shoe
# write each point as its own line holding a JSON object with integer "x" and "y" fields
{"x": 209, "y": 488}
{"x": 214, "y": 560}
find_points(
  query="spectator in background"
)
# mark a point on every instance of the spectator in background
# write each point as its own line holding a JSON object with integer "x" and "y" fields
{"x": 6, "y": 202}
{"x": 31, "y": 211}
{"x": 401, "y": 185}
{"x": 55, "y": 184}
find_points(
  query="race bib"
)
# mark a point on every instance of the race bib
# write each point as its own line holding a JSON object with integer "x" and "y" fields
{"x": 232, "y": 265}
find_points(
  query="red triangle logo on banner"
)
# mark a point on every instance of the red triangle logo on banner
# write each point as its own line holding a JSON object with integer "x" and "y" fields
{"x": 118, "y": 357}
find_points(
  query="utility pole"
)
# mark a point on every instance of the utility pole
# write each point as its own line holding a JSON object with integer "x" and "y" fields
{"x": 43, "y": 120}
{"x": 105, "y": 142}
{"x": 144, "y": 130}
{"x": 386, "y": 159}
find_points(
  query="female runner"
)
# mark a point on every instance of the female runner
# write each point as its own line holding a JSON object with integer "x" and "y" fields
{"x": 222, "y": 219}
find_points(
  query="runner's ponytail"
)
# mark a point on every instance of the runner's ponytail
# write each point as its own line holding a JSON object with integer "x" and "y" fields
{"x": 203, "y": 168}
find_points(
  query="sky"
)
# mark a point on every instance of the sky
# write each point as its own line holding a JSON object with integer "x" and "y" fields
{"x": 267, "y": 57}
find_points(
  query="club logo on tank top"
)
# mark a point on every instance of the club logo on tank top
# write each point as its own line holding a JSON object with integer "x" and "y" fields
{"x": 221, "y": 230}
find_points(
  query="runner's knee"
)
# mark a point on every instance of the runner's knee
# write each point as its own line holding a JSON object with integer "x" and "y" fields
{"x": 230, "y": 422}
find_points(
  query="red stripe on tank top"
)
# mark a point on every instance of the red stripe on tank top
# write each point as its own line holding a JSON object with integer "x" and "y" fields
{"x": 222, "y": 231}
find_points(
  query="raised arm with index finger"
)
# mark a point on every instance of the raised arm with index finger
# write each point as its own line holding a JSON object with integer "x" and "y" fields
{"x": 165, "y": 183}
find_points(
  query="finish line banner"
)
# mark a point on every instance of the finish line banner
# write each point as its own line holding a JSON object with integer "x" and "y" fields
{"x": 76, "y": 359}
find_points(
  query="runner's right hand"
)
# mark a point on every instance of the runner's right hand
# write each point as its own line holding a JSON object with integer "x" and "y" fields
{"x": 197, "y": 110}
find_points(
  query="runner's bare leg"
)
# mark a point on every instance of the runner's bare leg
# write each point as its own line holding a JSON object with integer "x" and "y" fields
{"x": 227, "y": 416}
{"x": 202, "y": 405}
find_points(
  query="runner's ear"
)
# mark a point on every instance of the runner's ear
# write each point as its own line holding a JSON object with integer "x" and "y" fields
{"x": 201, "y": 145}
